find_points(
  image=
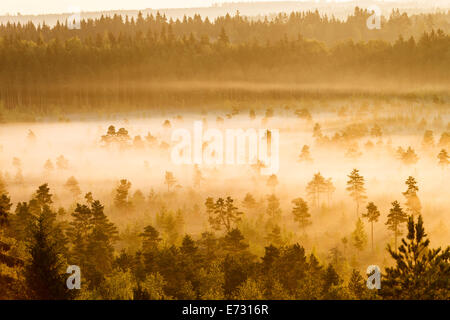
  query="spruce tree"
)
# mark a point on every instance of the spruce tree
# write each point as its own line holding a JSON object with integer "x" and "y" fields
{"x": 45, "y": 271}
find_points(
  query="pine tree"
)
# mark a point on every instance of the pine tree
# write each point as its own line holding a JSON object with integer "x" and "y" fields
{"x": 272, "y": 182}
{"x": 2, "y": 186}
{"x": 150, "y": 238}
{"x": 273, "y": 209}
{"x": 359, "y": 236}
{"x": 122, "y": 193}
{"x": 443, "y": 158}
{"x": 62, "y": 163}
{"x": 409, "y": 157}
{"x": 428, "y": 139}
{"x": 316, "y": 187}
{"x": 21, "y": 221}
{"x": 234, "y": 241}
{"x": 73, "y": 187}
{"x": 357, "y": 286}
{"x": 92, "y": 237}
{"x": 355, "y": 185}
{"x": 249, "y": 202}
{"x": 372, "y": 216}
{"x": 301, "y": 214}
{"x": 48, "y": 166}
{"x": 330, "y": 279}
{"x": 305, "y": 155}
{"x": 222, "y": 213}
{"x": 412, "y": 200}
{"x": 100, "y": 243}
{"x": 419, "y": 272}
{"x": 5, "y": 206}
{"x": 396, "y": 218}
{"x": 329, "y": 189}
{"x": 223, "y": 38}
{"x": 169, "y": 180}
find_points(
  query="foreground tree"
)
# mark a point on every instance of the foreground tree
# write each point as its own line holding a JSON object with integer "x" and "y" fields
{"x": 5, "y": 207}
{"x": 355, "y": 185}
{"x": 45, "y": 272}
{"x": 372, "y": 216}
{"x": 419, "y": 272}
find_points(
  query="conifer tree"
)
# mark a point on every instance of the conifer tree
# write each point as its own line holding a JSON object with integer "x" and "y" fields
{"x": 315, "y": 188}
{"x": 409, "y": 157}
{"x": 419, "y": 271}
{"x": 5, "y": 206}
{"x": 222, "y": 213}
{"x": 413, "y": 205}
{"x": 169, "y": 180}
{"x": 301, "y": 214}
{"x": 428, "y": 139}
{"x": 396, "y": 218}
{"x": 372, "y": 216}
{"x": 355, "y": 185}
{"x": 273, "y": 209}
{"x": 305, "y": 155}
{"x": 73, "y": 187}
{"x": 272, "y": 182}
{"x": 359, "y": 236}
{"x": 121, "y": 199}
{"x": 45, "y": 272}
{"x": 443, "y": 158}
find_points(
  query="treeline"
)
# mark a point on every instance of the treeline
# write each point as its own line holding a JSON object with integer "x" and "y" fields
{"x": 110, "y": 61}
{"x": 159, "y": 56}
{"x": 242, "y": 29}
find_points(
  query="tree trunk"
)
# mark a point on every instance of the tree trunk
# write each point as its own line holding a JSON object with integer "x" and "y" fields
{"x": 372, "y": 236}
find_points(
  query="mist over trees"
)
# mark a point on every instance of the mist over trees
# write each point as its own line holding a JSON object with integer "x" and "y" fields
{"x": 86, "y": 176}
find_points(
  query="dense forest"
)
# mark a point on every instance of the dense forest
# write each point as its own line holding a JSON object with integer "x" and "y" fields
{"x": 212, "y": 267}
{"x": 121, "y": 58}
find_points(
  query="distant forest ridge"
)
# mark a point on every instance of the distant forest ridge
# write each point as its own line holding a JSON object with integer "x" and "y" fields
{"x": 256, "y": 10}
{"x": 115, "y": 59}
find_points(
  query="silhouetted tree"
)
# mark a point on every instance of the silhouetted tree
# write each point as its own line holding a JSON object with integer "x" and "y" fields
{"x": 412, "y": 200}
{"x": 396, "y": 218}
{"x": 419, "y": 272}
{"x": 355, "y": 185}
{"x": 372, "y": 216}
{"x": 301, "y": 214}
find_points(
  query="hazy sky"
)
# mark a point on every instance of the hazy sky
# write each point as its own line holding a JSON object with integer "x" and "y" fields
{"x": 59, "y": 6}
